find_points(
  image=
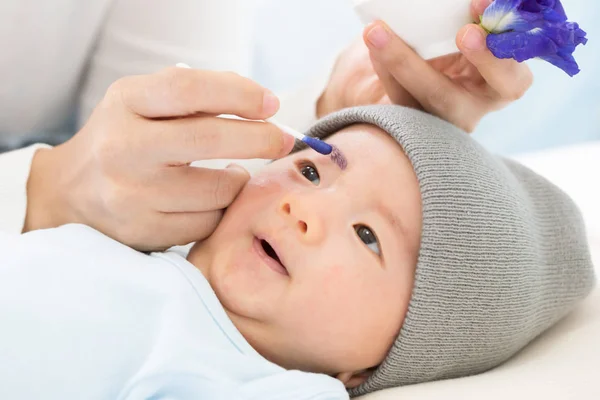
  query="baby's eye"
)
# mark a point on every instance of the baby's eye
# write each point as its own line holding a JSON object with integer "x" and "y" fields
{"x": 310, "y": 172}
{"x": 368, "y": 237}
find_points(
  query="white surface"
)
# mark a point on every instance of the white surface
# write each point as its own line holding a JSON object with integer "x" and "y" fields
{"x": 428, "y": 26}
{"x": 85, "y": 317}
{"x": 563, "y": 363}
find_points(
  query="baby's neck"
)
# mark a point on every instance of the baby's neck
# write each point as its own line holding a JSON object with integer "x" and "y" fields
{"x": 201, "y": 260}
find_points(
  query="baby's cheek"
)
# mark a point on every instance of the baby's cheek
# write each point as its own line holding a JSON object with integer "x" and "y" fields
{"x": 334, "y": 293}
{"x": 270, "y": 182}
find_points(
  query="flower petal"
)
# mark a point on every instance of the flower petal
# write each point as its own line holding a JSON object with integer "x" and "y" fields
{"x": 524, "y": 29}
{"x": 567, "y": 63}
{"x": 552, "y": 9}
{"x": 521, "y": 45}
{"x": 579, "y": 35}
{"x": 536, "y": 6}
{"x": 499, "y": 14}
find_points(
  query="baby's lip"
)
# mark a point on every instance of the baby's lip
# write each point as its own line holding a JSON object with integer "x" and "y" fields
{"x": 277, "y": 261}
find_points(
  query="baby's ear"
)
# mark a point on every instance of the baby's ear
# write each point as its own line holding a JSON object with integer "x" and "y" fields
{"x": 355, "y": 379}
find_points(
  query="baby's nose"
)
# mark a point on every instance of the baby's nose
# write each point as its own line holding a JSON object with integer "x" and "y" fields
{"x": 304, "y": 220}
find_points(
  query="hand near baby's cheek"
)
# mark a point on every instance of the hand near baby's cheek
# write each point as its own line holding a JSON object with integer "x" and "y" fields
{"x": 127, "y": 172}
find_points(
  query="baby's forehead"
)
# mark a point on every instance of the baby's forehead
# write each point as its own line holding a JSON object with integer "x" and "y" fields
{"x": 368, "y": 142}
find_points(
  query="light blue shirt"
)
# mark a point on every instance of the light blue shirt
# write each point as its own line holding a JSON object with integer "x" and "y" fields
{"x": 84, "y": 317}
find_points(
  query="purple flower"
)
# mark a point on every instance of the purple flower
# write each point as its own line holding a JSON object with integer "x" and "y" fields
{"x": 525, "y": 29}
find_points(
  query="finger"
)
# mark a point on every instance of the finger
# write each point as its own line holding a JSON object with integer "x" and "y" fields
{"x": 176, "y": 229}
{"x": 435, "y": 92}
{"x": 478, "y": 7}
{"x": 508, "y": 78}
{"x": 191, "y": 189}
{"x": 207, "y": 138}
{"x": 176, "y": 92}
{"x": 395, "y": 92}
{"x": 193, "y": 227}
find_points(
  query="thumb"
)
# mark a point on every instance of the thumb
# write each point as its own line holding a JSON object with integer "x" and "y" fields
{"x": 471, "y": 41}
{"x": 238, "y": 169}
{"x": 507, "y": 77}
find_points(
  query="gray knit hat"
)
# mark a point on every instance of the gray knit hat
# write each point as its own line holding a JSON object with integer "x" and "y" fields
{"x": 503, "y": 254}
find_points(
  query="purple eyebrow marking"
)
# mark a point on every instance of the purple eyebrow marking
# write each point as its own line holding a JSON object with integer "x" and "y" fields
{"x": 338, "y": 157}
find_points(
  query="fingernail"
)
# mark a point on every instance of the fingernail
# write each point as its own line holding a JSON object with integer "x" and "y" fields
{"x": 473, "y": 39}
{"x": 270, "y": 103}
{"x": 236, "y": 166}
{"x": 378, "y": 36}
{"x": 183, "y": 65}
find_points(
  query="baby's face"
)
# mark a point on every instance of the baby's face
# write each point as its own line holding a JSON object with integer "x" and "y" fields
{"x": 315, "y": 265}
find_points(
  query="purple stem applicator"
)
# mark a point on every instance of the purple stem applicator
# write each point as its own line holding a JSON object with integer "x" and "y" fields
{"x": 316, "y": 144}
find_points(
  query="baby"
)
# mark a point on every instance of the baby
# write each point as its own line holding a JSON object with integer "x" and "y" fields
{"x": 426, "y": 258}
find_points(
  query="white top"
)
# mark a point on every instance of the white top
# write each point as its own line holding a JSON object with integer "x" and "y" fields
{"x": 61, "y": 55}
{"x": 85, "y": 317}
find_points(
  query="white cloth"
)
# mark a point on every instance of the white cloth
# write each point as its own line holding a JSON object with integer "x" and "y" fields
{"x": 85, "y": 317}
{"x": 59, "y": 55}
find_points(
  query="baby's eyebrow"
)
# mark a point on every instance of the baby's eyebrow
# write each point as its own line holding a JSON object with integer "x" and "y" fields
{"x": 391, "y": 218}
{"x": 338, "y": 157}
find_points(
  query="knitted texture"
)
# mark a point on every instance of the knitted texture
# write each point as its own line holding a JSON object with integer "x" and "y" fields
{"x": 503, "y": 253}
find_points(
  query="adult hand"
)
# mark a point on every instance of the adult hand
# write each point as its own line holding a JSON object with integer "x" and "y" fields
{"x": 127, "y": 172}
{"x": 460, "y": 88}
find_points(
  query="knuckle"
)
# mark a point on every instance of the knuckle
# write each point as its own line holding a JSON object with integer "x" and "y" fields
{"x": 204, "y": 138}
{"x": 182, "y": 84}
{"x": 251, "y": 93}
{"x": 440, "y": 101}
{"x": 114, "y": 199}
{"x": 118, "y": 85}
{"x": 399, "y": 59}
{"x": 520, "y": 85}
{"x": 369, "y": 94}
{"x": 526, "y": 82}
{"x": 224, "y": 190}
{"x": 114, "y": 93}
{"x": 515, "y": 94}
{"x": 231, "y": 75}
{"x": 106, "y": 153}
{"x": 272, "y": 143}
{"x": 173, "y": 73}
{"x": 470, "y": 126}
{"x": 256, "y": 99}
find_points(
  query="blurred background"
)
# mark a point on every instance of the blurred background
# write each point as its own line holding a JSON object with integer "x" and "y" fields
{"x": 282, "y": 44}
{"x": 294, "y": 38}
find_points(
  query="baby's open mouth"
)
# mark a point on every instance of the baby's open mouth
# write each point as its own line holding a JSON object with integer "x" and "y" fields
{"x": 271, "y": 252}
